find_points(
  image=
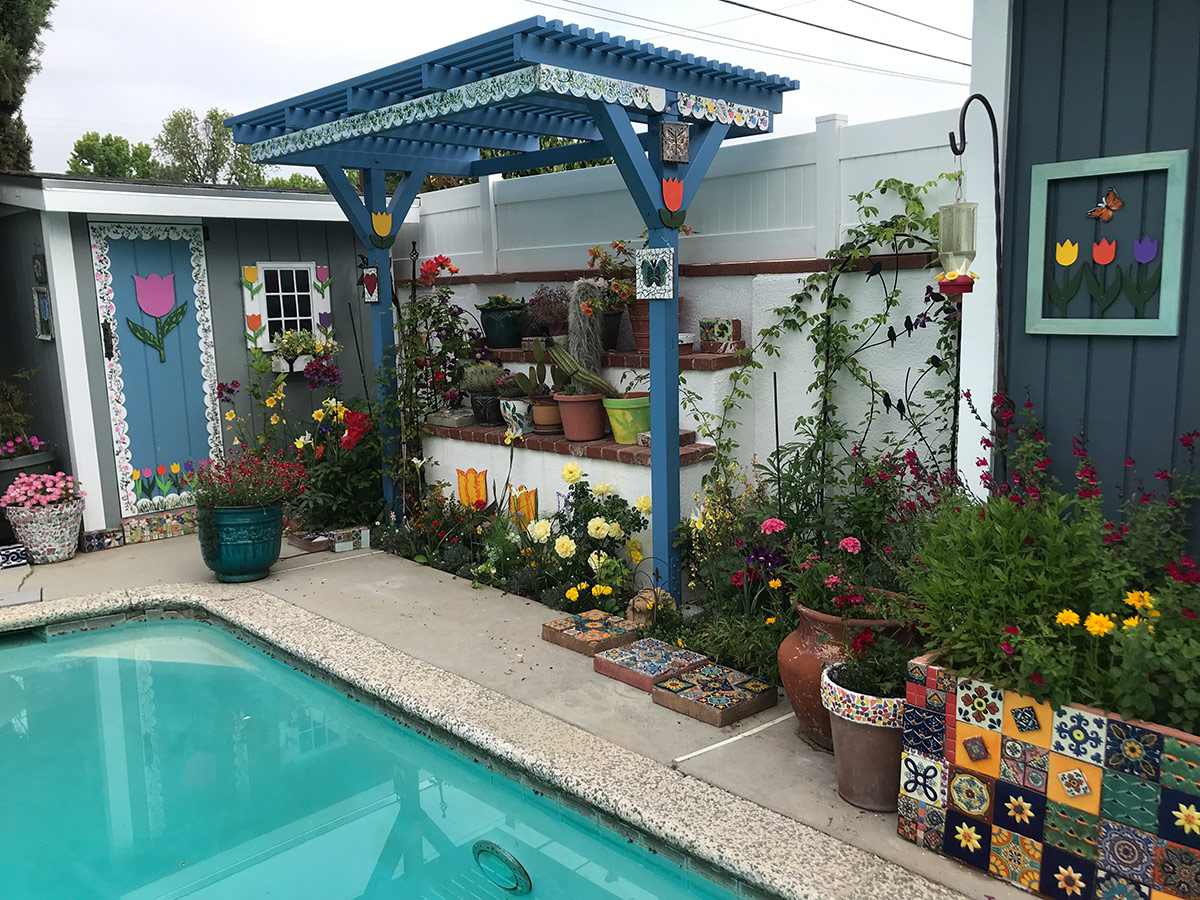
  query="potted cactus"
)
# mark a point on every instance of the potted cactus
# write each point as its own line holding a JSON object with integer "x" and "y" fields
{"x": 479, "y": 381}
{"x": 540, "y": 391}
{"x": 581, "y": 405}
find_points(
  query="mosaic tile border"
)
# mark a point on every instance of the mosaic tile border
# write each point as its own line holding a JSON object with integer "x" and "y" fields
{"x": 158, "y": 526}
{"x": 697, "y": 824}
{"x": 13, "y": 556}
{"x": 1067, "y": 803}
{"x": 102, "y": 539}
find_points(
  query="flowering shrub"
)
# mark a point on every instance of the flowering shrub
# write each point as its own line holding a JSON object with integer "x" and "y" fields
{"x": 341, "y": 455}
{"x": 248, "y": 479}
{"x": 876, "y": 664}
{"x": 548, "y": 308}
{"x": 41, "y": 490}
{"x": 1036, "y": 589}
{"x": 22, "y": 445}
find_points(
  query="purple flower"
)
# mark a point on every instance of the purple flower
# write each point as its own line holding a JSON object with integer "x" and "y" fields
{"x": 1145, "y": 250}
{"x": 325, "y": 319}
{"x": 188, "y": 467}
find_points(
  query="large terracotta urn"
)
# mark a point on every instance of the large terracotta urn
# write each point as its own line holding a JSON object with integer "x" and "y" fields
{"x": 819, "y": 641}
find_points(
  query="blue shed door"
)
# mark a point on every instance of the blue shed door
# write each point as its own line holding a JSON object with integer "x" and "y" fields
{"x": 160, "y": 366}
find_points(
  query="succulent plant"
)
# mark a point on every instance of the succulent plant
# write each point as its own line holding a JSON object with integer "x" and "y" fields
{"x": 480, "y": 378}
{"x": 579, "y": 375}
{"x": 535, "y": 384}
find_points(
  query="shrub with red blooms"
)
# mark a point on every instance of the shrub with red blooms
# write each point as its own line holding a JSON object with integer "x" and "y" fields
{"x": 357, "y": 425}
{"x": 248, "y": 479}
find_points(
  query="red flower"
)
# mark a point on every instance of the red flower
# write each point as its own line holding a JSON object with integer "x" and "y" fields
{"x": 737, "y": 578}
{"x": 1104, "y": 252}
{"x": 162, "y": 470}
{"x": 1188, "y": 613}
{"x": 1006, "y": 647}
{"x": 672, "y": 193}
{"x": 1037, "y": 679}
{"x": 319, "y": 451}
{"x": 1012, "y": 629}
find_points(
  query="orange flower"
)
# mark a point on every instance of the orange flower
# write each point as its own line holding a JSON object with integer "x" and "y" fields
{"x": 672, "y": 194}
{"x": 254, "y": 322}
{"x": 586, "y": 308}
{"x": 1104, "y": 252}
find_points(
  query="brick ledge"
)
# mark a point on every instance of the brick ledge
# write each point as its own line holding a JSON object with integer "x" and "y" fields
{"x": 634, "y": 359}
{"x": 689, "y": 454}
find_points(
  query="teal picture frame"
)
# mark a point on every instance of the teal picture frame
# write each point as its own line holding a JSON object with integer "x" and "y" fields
{"x": 1166, "y": 324}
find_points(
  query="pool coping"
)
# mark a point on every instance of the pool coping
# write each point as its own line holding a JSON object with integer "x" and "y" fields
{"x": 763, "y": 850}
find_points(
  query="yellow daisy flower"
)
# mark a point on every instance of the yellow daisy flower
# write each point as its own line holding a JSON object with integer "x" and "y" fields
{"x": 1098, "y": 625}
{"x": 1067, "y": 617}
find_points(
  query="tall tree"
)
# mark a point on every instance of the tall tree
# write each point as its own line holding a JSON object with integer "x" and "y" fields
{"x": 112, "y": 157}
{"x": 202, "y": 150}
{"x": 21, "y": 25}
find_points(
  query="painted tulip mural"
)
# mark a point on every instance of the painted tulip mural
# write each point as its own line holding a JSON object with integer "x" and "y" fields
{"x": 1139, "y": 290}
{"x": 163, "y": 481}
{"x": 156, "y": 298}
{"x": 1137, "y": 283}
{"x": 323, "y": 280}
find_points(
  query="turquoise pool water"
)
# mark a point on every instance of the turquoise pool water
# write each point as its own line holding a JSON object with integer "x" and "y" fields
{"x": 171, "y": 760}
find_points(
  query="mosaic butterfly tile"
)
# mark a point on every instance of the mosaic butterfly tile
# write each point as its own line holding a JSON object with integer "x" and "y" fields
{"x": 921, "y": 777}
{"x": 1127, "y": 851}
{"x": 1015, "y": 857}
{"x": 1129, "y": 800}
{"x": 1179, "y": 818}
{"x": 1080, "y": 735}
{"x": 1111, "y": 886}
{"x": 1065, "y": 876}
{"x": 1177, "y": 870}
{"x": 715, "y": 694}
{"x": 645, "y": 661}
{"x": 1019, "y": 809}
{"x": 1072, "y": 829}
{"x": 979, "y": 704}
{"x": 1180, "y": 767}
{"x": 924, "y": 730}
{"x": 1133, "y": 750}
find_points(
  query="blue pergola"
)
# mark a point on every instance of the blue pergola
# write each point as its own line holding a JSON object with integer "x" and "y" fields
{"x": 504, "y": 90}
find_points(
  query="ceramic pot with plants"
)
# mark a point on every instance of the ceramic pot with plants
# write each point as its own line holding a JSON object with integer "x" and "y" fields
{"x": 867, "y": 738}
{"x": 239, "y": 504}
{"x": 540, "y": 385}
{"x": 503, "y": 320}
{"x": 548, "y": 307}
{"x": 515, "y": 407}
{"x": 582, "y": 404}
{"x": 46, "y": 514}
{"x": 628, "y": 416}
{"x": 480, "y": 383}
{"x": 22, "y": 453}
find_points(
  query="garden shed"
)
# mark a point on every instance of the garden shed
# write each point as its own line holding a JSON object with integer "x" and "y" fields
{"x": 131, "y": 301}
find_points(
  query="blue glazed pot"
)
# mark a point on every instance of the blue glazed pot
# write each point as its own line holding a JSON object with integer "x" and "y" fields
{"x": 241, "y": 543}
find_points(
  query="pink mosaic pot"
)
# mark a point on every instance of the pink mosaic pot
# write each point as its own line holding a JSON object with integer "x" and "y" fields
{"x": 49, "y": 533}
{"x": 866, "y": 733}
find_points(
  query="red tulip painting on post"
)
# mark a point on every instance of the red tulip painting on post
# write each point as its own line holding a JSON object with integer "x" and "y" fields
{"x": 156, "y": 298}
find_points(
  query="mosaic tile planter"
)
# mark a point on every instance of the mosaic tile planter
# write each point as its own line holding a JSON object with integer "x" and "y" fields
{"x": 644, "y": 662}
{"x": 716, "y": 695}
{"x": 344, "y": 539}
{"x": 49, "y": 534}
{"x": 591, "y": 632}
{"x": 1072, "y": 803}
{"x": 157, "y": 526}
{"x": 866, "y": 734}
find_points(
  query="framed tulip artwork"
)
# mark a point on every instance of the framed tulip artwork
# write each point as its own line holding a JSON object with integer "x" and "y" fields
{"x": 1106, "y": 245}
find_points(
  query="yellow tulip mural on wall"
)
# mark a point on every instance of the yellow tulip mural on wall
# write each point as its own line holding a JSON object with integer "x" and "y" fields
{"x": 1066, "y": 253}
{"x": 522, "y": 506}
{"x": 472, "y": 488}
{"x": 383, "y": 237}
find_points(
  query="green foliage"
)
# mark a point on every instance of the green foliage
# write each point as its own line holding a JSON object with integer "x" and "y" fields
{"x": 297, "y": 181}
{"x": 877, "y": 665}
{"x": 21, "y": 25}
{"x": 14, "y": 410}
{"x": 746, "y": 642}
{"x": 344, "y": 486}
{"x": 581, "y": 377}
{"x": 201, "y": 150}
{"x": 502, "y": 301}
{"x": 112, "y": 156}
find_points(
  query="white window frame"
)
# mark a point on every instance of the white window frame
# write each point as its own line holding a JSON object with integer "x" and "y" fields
{"x": 254, "y": 299}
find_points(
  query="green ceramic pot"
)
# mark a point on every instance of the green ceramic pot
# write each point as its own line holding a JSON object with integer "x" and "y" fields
{"x": 628, "y": 416}
{"x": 241, "y": 543}
{"x": 502, "y": 327}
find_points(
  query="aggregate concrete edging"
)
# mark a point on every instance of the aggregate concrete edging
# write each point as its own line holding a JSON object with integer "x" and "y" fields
{"x": 764, "y": 849}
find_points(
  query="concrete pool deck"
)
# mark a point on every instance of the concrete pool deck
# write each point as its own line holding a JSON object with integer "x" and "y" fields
{"x": 492, "y": 639}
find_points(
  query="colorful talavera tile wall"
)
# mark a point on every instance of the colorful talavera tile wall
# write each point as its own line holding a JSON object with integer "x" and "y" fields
{"x": 1066, "y": 803}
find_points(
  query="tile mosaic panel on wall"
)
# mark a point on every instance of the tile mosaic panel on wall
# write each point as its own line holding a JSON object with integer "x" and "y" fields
{"x": 159, "y": 525}
{"x": 1070, "y": 804}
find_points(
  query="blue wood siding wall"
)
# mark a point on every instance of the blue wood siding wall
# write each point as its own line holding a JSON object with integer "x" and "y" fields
{"x": 1103, "y": 78}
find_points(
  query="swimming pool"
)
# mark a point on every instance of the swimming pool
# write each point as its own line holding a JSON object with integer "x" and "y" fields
{"x": 171, "y": 760}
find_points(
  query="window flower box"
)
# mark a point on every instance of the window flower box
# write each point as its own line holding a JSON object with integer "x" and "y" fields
{"x": 1070, "y": 802}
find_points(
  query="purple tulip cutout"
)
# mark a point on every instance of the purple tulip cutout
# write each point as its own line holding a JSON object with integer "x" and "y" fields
{"x": 325, "y": 319}
{"x": 322, "y": 274}
{"x": 1145, "y": 250}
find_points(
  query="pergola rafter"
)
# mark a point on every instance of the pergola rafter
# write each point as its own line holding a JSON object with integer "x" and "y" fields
{"x": 504, "y": 90}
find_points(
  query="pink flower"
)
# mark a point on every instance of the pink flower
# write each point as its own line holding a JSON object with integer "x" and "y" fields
{"x": 1037, "y": 679}
{"x": 155, "y": 294}
{"x": 322, "y": 273}
{"x": 832, "y": 581}
{"x": 850, "y": 545}
{"x": 771, "y": 526}
{"x": 1006, "y": 647}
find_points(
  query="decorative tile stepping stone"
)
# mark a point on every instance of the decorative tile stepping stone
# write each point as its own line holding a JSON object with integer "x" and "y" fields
{"x": 644, "y": 662}
{"x": 716, "y": 695}
{"x": 591, "y": 632}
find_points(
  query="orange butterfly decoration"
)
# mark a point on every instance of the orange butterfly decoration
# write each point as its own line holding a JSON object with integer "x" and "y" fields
{"x": 1105, "y": 208}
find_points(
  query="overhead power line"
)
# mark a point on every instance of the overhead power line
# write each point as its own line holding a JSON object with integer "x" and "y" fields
{"x": 738, "y": 44}
{"x": 857, "y": 37}
{"x": 888, "y": 12}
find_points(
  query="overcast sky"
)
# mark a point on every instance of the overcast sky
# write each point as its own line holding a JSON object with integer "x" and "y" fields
{"x": 122, "y": 66}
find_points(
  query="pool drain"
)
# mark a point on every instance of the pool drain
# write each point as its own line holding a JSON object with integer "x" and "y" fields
{"x": 501, "y": 867}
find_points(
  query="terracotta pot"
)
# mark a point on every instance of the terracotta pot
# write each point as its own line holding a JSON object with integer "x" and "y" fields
{"x": 867, "y": 739}
{"x": 639, "y": 318}
{"x": 803, "y": 655}
{"x": 546, "y": 417}
{"x": 583, "y": 416}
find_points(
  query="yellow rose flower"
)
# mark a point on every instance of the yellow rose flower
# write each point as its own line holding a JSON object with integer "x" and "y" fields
{"x": 601, "y": 488}
{"x": 572, "y": 594}
{"x": 615, "y": 530}
{"x": 1098, "y": 625}
{"x": 642, "y": 504}
{"x": 636, "y": 556}
{"x": 597, "y": 527}
{"x": 539, "y": 531}
{"x": 564, "y": 547}
{"x": 571, "y": 472}
{"x": 1067, "y": 617}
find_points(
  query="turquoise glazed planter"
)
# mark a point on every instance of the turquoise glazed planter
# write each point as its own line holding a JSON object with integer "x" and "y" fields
{"x": 241, "y": 543}
{"x": 502, "y": 327}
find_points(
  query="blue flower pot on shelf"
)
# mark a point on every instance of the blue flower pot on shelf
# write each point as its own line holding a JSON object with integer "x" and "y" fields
{"x": 241, "y": 543}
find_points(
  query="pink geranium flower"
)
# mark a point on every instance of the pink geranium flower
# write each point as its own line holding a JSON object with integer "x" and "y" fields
{"x": 850, "y": 545}
{"x": 771, "y": 526}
